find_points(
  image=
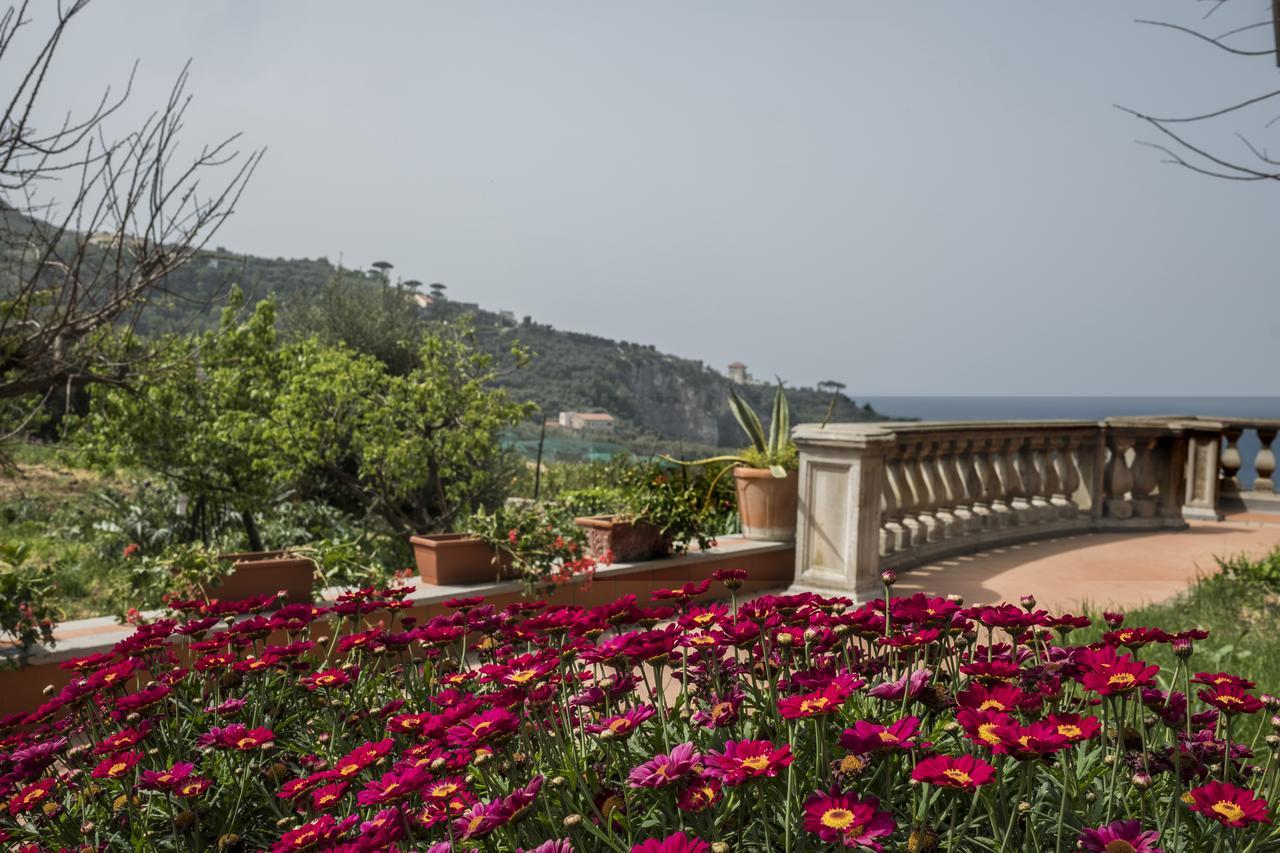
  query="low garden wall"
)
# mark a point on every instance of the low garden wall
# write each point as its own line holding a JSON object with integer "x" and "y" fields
{"x": 769, "y": 565}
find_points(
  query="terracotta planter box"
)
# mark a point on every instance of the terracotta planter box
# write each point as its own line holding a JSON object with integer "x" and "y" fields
{"x": 767, "y": 504}
{"x": 628, "y": 541}
{"x": 457, "y": 559}
{"x": 261, "y": 572}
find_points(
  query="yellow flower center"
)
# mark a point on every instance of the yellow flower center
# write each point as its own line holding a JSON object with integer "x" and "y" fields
{"x": 474, "y": 823}
{"x": 348, "y": 769}
{"x": 1122, "y": 678}
{"x": 808, "y": 706}
{"x": 837, "y": 818}
{"x": 756, "y": 762}
{"x": 993, "y": 703}
{"x": 1119, "y": 846}
{"x": 1231, "y": 811}
{"x": 888, "y": 737}
{"x": 523, "y": 675}
{"x": 958, "y": 776}
{"x": 443, "y": 791}
{"x": 986, "y": 732}
{"x": 246, "y": 743}
{"x": 1070, "y": 731}
{"x": 117, "y": 769}
{"x": 619, "y": 725}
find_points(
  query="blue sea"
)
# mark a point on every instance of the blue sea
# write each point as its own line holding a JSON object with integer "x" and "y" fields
{"x": 1083, "y": 408}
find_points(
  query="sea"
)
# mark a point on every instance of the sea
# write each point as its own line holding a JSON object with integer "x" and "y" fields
{"x": 1083, "y": 408}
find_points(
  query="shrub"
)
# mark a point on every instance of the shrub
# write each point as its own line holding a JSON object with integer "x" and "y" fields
{"x": 27, "y": 615}
{"x": 787, "y": 723}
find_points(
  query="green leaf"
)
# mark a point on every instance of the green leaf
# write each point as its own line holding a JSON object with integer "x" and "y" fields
{"x": 777, "y": 471}
{"x": 748, "y": 420}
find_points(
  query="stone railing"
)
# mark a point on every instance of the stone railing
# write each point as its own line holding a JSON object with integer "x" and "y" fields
{"x": 894, "y": 495}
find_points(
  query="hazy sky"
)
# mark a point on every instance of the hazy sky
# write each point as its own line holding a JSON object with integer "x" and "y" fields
{"x": 911, "y": 197}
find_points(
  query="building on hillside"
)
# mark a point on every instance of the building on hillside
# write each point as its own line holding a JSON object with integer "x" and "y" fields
{"x": 587, "y": 421}
{"x": 424, "y": 300}
{"x": 738, "y": 373}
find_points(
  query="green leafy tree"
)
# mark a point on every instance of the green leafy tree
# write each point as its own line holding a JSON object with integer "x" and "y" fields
{"x": 418, "y": 450}
{"x": 191, "y": 421}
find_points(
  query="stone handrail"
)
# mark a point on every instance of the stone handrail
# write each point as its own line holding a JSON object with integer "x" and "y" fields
{"x": 893, "y": 495}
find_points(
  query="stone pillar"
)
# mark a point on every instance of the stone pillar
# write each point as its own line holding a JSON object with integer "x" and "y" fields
{"x": 1201, "y": 497}
{"x": 838, "y": 529}
{"x": 1144, "y": 478}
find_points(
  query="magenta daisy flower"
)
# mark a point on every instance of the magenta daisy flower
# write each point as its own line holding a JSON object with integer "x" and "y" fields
{"x": 665, "y": 768}
{"x": 847, "y": 819}
{"x": 747, "y": 759}
{"x": 1122, "y": 836}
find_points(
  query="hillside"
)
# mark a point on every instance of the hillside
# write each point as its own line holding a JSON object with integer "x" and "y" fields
{"x": 658, "y": 394}
{"x": 654, "y": 396}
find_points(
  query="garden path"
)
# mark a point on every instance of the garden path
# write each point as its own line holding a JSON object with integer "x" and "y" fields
{"x": 1120, "y": 570}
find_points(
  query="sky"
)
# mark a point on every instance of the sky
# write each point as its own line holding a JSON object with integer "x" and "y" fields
{"x": 927, "y": 197}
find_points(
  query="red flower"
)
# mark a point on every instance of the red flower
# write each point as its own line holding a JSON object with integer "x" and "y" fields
{"x": 963, "y": 773}
{"x": 165, "y": 780}
{"x": 132, "y": 549}
{"x": 117, "y": 765}
{"x": 1228, "y": 805}
{"x": 31, "y": 796}
{"x": 237, "y": 736}
{"x": 847, "y": 819}
{"x": 1124, "y": 835}
{"x": 677, "y": 843}
{"x": 867, "y": 737}
{"x": 748, "y": 759}
{"x": 1075, "y": 728}
{"x": 1111, "y": 675}
{"x": 1231, "y": 699}
{"x": 700, "y": 795}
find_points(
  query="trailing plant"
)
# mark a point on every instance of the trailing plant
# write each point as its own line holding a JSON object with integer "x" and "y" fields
{"x": 541, "y": 544}
{"x": 670, "y": 498}
{"x": 27, "y": 615}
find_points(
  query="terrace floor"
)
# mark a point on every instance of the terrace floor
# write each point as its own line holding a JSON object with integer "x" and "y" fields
{"x": 1103, "y": 569}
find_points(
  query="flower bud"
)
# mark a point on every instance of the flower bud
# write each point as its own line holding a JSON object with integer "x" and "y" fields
{"x": 1270, "y": 702}
{"x": 1028, "y": 602}
{"x": 1182, "y": 647}
{"x": 785, "y": 640}
{"x": 572, "y": 820}
{"x": 1141, "y": 781}
{"x": 888, "y": 577}
{"x": 955, "y": 598}
{"x": 49, "y": 690}
{"x": 719, "y": 847}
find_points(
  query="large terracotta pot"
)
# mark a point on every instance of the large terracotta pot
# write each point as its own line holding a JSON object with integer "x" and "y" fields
{"x": 262, "y": 572}
{"x": 624, "y": 541}
{"x": 456, "y": 559}
{"x": 767, "y": 504}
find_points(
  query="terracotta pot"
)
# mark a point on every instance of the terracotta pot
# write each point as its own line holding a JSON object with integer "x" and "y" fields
{"x": 456, "y": 559}
{"x": 627, "y": 541}
{"x": 261, "y": 572}
{"x": 767, "y": 504}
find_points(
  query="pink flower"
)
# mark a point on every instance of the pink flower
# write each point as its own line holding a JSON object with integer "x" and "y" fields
{"x": 1124, "y": 835}
{"x": 677, "y": 843}
{"x": 748, "y": 759}
{"x": 664, "y": 769}
{"x": 847, "y": 819}
{"x": 867, "y": 737}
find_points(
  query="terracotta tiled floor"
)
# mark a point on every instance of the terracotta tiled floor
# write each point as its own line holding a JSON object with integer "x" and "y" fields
{"x": 1104, "y": 569}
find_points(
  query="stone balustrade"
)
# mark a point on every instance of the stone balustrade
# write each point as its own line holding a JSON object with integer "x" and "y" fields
{"x": 894, "y": 495}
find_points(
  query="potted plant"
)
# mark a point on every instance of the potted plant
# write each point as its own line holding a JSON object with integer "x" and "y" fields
{"x": 197, "y": 570}
{"x": 765, "y": 473}
{"x": 661, "y": 511}
{"x": 449, "y": 559}
{"x": 539, "y": 544}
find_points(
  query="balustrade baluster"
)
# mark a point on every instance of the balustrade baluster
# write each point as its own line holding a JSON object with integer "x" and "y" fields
{"x": 1118, "y": 479}
{"x": 891, "y": 530}
{"x": 1068, "y": 476}
{"x": 927, "y": 512}
{"x": 917, "y": 532}
{"x": 941, "y": 490}
{"x": 1230, "y": 461}
{"x": 1144, "y": 478}
{"x": 1265, "y": 462}
{"x": 974, "y": 469}
{"x": 961, "y": 496}
{"x": 1016, "y": 487}
{"x": 1003, "y": 480}
{"x": 1040, "y": 479}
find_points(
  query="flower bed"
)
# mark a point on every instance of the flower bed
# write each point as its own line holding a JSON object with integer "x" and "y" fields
{"x": 786, "y": 723}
